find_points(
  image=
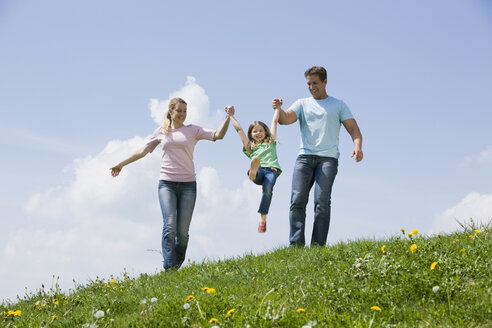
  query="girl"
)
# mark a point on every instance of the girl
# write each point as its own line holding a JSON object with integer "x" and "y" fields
{"x": 261, "y": 146}
{"x": 177, "y": 185}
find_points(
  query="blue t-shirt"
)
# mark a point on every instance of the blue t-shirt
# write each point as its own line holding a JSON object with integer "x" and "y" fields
{"x": 320, "y": 122}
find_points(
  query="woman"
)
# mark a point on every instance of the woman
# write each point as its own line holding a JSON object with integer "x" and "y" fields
{"x": 177, "y": 181}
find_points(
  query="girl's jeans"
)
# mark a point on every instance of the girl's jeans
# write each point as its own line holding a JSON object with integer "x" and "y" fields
{"x": 265, "y": 177}
{"x": 177, "y": 201}
{"x": 308, "y": 170}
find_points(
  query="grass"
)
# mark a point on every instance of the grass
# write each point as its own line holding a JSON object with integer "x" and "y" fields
{"x": 353, "y": 284}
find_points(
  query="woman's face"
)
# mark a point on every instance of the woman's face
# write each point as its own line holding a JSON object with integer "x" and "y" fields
{"x": 258, "y": 133}
{"x": 178, "y": 114}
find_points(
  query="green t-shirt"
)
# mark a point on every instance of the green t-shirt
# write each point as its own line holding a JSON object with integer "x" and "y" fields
{"x": 267, "y": 154}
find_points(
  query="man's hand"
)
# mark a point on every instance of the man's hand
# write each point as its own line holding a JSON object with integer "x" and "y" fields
{"x": 277, "y": 103}
{"x": 358, "y": 154}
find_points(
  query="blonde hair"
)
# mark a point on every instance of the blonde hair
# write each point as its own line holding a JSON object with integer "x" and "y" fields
{"x": 167, "y": 117}
{"x": 252, "y": 143}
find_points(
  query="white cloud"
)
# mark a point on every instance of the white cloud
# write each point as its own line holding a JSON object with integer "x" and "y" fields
{"x": 198, "y": 105}
{"x": 474, "y": 205}
{"x": 97, "y": 225}
{"x": 484, "y": 157}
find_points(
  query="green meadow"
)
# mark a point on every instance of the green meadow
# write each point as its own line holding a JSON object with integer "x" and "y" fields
{"x": 408, "y": 280}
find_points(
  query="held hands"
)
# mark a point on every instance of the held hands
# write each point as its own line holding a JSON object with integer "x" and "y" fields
{"x": 358, "y": 154}
{"x": 277, "y": 103}
{"x": 229, "y": 110}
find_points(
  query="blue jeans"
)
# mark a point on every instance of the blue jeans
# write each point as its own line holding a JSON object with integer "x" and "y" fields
{"x": 177, "y": 201}
{"x": 265, "y": 177}
{"x": 311, "y": 169}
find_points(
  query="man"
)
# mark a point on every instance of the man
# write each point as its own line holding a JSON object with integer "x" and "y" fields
{"x": 320, "y": 118}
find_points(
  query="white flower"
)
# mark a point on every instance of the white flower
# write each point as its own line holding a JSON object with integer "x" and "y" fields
{"x": 435, "y": 289}
{"x": 215, "y": 327}
{"x": 99, "y": 314}
{"x": 143, "y": 301}
{"x": 358, "y": 265}
{"x": 186, "y": 306}
{"x": 153, "y": 299}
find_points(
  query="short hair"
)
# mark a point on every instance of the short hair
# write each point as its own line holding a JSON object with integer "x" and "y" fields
{"x": 316, "y": 70}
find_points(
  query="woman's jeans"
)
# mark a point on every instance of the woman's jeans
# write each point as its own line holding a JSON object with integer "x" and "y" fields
{"x": 311, "y": 169}
{"x": 265, "y": 177}
{"x": 177, "y": 201}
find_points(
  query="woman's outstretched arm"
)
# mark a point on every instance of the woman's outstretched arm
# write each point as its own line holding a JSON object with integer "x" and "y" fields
{"x": 220, "y": 133}
{"x": 115, "y": 170}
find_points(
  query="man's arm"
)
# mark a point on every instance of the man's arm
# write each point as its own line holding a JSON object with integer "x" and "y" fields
{"x": 285, "y": 117}
{"x": 354, "y": 131}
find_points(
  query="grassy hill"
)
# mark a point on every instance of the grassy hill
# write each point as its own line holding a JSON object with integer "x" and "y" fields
{"x": 408, "y": 280}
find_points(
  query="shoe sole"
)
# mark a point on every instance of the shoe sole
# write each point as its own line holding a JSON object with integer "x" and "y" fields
{"x": 253, "y": 169}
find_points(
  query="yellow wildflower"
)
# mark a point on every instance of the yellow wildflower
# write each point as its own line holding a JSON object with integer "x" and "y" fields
{"x": 230, "y": 312}
{"x": 433, "y": 265}
{"x": 204, "y": 289}
{"x": 439, "y": 234}
{"x": 113, "y": 281}
{"x": 414, "y": 232}
{"x": 56, "y": 302}
{"x": 383, "y": 248}
{"x": 210, "y": 290}
{"x": 478, "y": 231}
{"x": 54, "y": 317}
{"x": 410, "y": 235}
{"x": 300, "y": 310}
{"x": 375, "y": 308}
{"x": 402, "y": 231}
{"x": 213, "y": 320}
{"x": 462, "y": 251}
{"x": 189, "y": 298}
{"x": 413, "y": 248}
{"x": 17, "y": 313}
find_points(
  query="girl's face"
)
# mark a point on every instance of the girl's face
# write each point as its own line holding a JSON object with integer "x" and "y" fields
{"x": 178, "y": 114}
{"x": 258, "y": 133}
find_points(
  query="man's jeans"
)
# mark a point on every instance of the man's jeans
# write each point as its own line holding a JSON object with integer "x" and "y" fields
{"x": 311, "y": 169}
{"x": 265, "y": 177}
{"x": 177, "y": 201}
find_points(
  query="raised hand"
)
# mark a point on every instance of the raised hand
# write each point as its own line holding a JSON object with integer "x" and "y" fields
{"x": 115, "y": 171}
{"x": 277, "y": 103}
{"x": 230, "y": 110}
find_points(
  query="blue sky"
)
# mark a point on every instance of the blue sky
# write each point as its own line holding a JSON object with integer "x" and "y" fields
{"x": 77, "y": 80}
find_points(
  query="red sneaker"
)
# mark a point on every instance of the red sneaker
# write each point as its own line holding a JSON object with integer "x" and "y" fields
{"x": 262, "y": 227}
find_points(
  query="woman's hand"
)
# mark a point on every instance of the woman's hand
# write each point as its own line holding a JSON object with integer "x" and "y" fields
{"x": 230, "y": 110}
{"x": 115, "y": 170}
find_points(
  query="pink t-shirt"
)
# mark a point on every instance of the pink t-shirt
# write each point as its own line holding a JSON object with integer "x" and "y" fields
{"x": 178, "y": 146}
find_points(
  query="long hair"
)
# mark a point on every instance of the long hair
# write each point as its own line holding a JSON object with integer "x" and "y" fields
{"x": 167, "y": 117}
{"x": 253, "y": 143}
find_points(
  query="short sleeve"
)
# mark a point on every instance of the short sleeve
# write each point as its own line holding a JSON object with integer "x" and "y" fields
{"x": 203, "y": 133}
{"x": 152, "y": 141}
{"x": 345, "y": 113}
{"x": 297, "y": 108}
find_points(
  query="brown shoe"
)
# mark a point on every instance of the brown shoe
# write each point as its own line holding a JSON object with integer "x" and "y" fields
{"x": 255, "y": 164}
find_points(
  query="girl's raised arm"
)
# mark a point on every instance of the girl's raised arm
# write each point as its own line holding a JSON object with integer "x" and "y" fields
{"x": 273, "y": 126}
{"x": 230, "y": 111}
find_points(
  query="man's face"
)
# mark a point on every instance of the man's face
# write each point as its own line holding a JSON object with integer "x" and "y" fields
{"x": 316, "y": 86}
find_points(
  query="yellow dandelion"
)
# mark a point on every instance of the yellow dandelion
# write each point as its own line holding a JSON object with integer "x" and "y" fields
{"x": 410, "y": 235}
{"x": 433, "y": 265}
{"x": 210, "y": 290}
{"x": 383, "y": 248}
{"x": 413, "y": 248}
{"x": 56, "y": 302}
{"x": 439, "y": 234}
{"x": 402, "y": 231}
{"x": 54, "y": 317}
{"x": 300, "y": 310}
{"x": 375, "y": 308}
{"x": 213, "y": 320}
{"x": 478, "y": 231}
{"x": 230, "y": 312}
{"x": 189, "y": 298}
{"x": 462, "y": 251}
{"x": 415, "y": 231}
{"x": 204, "y": 289}
{"x": 113, "y": 281}
{"x": 17, "y": 313}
